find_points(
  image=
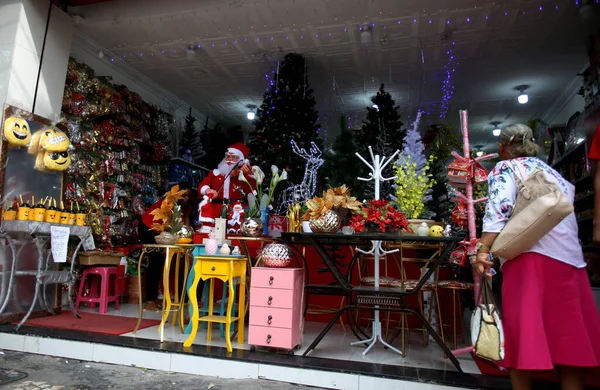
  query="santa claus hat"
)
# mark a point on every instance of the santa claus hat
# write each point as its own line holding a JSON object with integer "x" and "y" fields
{"x": 240, "y": 150}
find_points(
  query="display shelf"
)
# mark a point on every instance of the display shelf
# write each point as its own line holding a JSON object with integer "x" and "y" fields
{"x": 575, "y": 151}
{"x": 121, "y": 155}
{"x": 191, "y": 164}
{"x": 181, "y": 170}
{"x": 584, "y": 197}
{"x": 581, "y": 179}
{"x": 586, "y": 219}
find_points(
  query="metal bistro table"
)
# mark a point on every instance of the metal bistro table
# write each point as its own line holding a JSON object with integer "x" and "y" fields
{"x": 20, "y": 234}
{"x": 390, "y": 299}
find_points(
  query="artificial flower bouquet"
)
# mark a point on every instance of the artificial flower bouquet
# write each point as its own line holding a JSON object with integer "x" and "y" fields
{"x": 378, "y": 214}
{"x": 257, "y": 200}
{"x": 168, "y": 217}
{"x": 413, "y": 187}
{"x": 337, "y": 199}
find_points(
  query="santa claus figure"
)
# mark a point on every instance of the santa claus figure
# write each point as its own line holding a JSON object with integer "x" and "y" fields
{"x": 234, "y": 222}
{"x": 222, "y": 185}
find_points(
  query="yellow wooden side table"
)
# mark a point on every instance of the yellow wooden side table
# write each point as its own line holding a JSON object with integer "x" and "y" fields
{"x": 225, "y": 268}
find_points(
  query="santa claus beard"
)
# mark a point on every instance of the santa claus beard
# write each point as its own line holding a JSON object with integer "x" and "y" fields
{"x": 225, "y": 167}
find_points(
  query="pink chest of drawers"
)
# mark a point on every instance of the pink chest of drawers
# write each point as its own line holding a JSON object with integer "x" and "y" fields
{"x": 276, "y": 307}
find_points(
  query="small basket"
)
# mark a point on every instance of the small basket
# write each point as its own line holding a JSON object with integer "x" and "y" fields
{"x": 100, "y": 258}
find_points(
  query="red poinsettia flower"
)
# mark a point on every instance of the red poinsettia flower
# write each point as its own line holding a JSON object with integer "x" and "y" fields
{"x": 378, "y": 213}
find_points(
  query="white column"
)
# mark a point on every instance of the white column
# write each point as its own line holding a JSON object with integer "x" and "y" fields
{"x": 22, "y": 30}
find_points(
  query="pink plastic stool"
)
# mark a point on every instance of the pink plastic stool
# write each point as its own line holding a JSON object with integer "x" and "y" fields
{"x": 99, "y": 290}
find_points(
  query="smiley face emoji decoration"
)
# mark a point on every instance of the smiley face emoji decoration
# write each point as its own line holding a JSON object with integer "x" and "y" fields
{"x": 52, "y": 148}
{"x": 57, "y": 161}
{"x": 49, "y": 139}
{"x": 16, "y": 131}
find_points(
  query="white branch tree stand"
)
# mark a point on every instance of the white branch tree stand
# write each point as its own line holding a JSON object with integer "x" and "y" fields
{"x": 377, "y": 166}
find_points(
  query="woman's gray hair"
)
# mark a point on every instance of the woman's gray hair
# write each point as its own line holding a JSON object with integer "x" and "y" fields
{"x": 518, "y": 141}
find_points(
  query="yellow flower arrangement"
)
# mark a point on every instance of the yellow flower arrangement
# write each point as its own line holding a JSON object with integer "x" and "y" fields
{"x": 168, "y": 216}
{"x": 411, "y": 188}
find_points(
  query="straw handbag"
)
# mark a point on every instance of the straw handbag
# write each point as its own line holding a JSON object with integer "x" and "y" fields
{"x": 487, "y": 334}
{"x": 539, "y": 207}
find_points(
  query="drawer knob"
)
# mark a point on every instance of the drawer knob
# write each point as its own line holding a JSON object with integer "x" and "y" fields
{"x": 213, "y": 268}
{"x": 268, "y": 339}
{"x": 269, "y": 320}
{"x": 270, "y": 300}
{"x": 271, "y": 280}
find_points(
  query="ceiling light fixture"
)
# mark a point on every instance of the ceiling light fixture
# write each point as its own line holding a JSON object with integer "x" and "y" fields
{"x": 523, "y": 97}
{"x": 497, "y": 129}
{"x": 191, "y": 52}
{"x": 251, "y": 114}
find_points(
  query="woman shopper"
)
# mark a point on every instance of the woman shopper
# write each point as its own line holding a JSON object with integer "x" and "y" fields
{"x": 549, "y": 315}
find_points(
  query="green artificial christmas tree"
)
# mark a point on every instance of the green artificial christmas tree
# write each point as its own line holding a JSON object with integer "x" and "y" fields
{"x": 287, "y": 113}
{"x": 341, "y": 162}
{"x": 190, "y": 139}
{"x": 215, "y": 142}
{"x": 382, "y": 130}
{"x": 440, "y": 142}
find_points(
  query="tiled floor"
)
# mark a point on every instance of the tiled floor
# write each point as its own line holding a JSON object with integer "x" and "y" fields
{"x": 336, "y": 345}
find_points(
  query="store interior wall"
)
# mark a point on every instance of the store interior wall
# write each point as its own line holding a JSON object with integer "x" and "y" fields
{"x": 32, "y": 35}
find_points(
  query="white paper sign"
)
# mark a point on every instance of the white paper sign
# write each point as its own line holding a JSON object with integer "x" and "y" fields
{"x": 59, "y": 239}
{"x": 89, "y": 244}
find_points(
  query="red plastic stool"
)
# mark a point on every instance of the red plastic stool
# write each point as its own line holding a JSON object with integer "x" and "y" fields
{"x": 99, "y": 290}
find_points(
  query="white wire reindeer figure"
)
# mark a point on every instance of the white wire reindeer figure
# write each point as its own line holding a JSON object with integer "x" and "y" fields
{"x": 307, "y": 188}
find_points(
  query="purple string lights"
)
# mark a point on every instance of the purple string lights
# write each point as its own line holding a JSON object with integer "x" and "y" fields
{"x": 468, "y": 19}
{"x": 447, "y": 85}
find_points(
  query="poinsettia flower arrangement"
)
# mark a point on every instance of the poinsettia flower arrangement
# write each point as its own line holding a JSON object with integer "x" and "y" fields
{"x": 378, "y": 213}
{"x": 337, "y": 199}
{"x": 168, "y": 216}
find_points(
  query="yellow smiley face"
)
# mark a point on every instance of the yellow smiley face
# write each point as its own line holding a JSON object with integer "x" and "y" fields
{"x": 16, "y": 131}
{"x": 50, "y": 140}
{"x": 436, "y": 231}
{"x": 57, "y": 161}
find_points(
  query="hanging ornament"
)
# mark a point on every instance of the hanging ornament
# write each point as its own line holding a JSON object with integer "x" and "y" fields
{"x": 16, "y": 131}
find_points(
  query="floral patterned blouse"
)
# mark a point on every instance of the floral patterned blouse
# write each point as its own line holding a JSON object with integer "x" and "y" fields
{"x": 562, "y": 242}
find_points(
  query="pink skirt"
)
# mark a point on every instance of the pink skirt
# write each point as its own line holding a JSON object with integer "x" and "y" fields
{"x": 549, "y": 315}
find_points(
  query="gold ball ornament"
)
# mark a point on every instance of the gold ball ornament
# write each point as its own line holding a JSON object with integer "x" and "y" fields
{"x": 436, "y": 231}
{"x": 329, "y": 222}
{"x": 16, "y": 131}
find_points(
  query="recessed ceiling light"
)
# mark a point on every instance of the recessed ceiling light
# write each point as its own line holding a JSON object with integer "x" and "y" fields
{"x": 523, "y": 98}
{"x": 251, "y": 112}
{"x": 497, "y": 129}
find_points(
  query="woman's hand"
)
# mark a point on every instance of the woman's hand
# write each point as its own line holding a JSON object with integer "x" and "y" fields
{"x": 483, "y": 264}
